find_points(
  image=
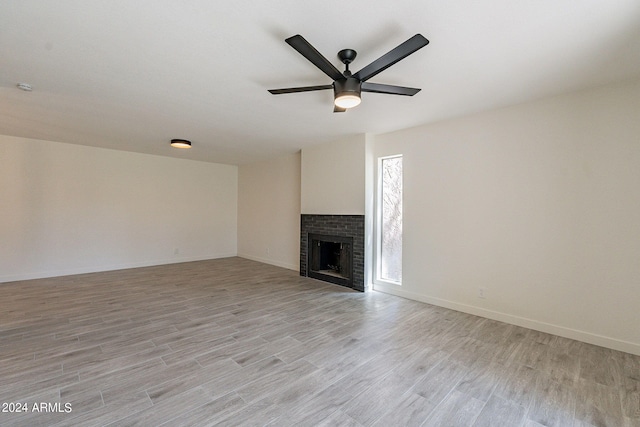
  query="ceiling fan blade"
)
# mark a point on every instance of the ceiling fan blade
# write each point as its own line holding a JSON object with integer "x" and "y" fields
{"x": 388, "y": 89}
{"x": 337, "y": 109}
{"x": 394, "y": 55}
{"x": 304, "y": 47}
{"x": 299, "y": 89}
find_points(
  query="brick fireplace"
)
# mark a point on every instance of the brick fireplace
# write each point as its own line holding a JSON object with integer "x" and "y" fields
{"x": 332, "y": 249}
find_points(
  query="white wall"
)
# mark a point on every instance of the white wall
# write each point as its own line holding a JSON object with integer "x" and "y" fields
{"x": 539, "y": 204}
{"x": 333, "y": 178}
{"x": 269, "y": 211}
{"x": 67, "y": 209}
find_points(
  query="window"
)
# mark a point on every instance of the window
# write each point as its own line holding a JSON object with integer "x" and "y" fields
{"x": 389, "y": 230}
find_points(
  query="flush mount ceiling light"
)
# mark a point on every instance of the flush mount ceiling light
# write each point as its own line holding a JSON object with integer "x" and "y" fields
{"x": 25, "y": 87}
{"x": 180, "y": 143}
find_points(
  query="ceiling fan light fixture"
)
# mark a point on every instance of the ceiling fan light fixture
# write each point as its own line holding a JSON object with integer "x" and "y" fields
{"x": 347, "y": 101}
{"x": 180, "y": 143}
{"x": 347, "y": 93}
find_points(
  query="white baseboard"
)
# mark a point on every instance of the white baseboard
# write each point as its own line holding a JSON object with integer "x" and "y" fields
{"x": 600, "y": 340}
{"x": 295, "y": 267}
{"x": 97, "y": 269}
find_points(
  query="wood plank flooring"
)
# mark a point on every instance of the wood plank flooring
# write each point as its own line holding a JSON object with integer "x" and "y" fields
{"x": 235, "y": 342}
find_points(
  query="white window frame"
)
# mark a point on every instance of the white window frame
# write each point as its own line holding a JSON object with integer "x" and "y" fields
{"x": 377, "y": 279}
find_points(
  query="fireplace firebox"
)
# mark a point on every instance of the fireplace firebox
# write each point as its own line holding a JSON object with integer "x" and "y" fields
{"x": 330, "y": 259}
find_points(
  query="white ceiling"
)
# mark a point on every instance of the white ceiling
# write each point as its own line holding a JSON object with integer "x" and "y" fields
{"x": 131, "y": 75}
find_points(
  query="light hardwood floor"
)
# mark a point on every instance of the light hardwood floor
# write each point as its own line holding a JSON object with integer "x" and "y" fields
{"x": 235, "y": 342}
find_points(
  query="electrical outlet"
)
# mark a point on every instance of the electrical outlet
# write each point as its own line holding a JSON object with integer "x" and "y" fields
{"x": 267, "y": 250}
{"x": 481, "y": 293}
{"x": 176, "y": 251}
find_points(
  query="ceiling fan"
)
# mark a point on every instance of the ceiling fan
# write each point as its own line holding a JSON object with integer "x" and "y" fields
{"x": 346, "y": 86}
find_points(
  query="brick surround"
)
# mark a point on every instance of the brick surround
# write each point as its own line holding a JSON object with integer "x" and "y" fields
{"x": 335, "y": 225}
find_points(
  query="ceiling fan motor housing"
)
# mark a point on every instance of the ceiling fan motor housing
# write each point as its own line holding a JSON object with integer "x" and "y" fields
{"x": 347, "y": 92}
{"x": 347, "y": 86}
